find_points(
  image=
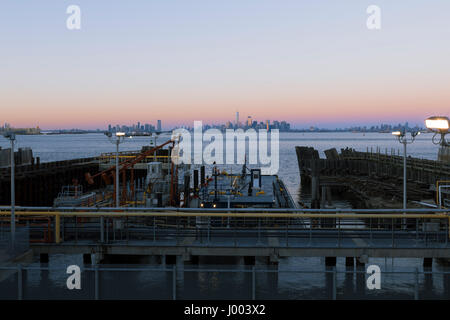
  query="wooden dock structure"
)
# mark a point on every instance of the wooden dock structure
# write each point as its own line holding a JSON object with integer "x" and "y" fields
{"x": 369, "y": 174}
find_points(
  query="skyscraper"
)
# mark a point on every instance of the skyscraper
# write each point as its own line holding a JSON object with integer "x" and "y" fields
{"x": 158, "y": 127}
{"x": 237, "y": 119}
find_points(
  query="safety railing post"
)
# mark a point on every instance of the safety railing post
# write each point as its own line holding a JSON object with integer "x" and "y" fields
{"x": 310, "y": 230}
{"x": 19, "y": 282}
{"x": 448, "y": 232}
{"x": 102, "y": 230}
{"x": 253, "y": 283}
{"x": 339, "y": 232}
{"x": 107, "y": 228}
{"x": 154, "y": 229}
{"x": 62, "y": 229}
{"x": 417, "y": 230}
{"x": 176, "y": 231}
{"x": 96, "y": 283}
{"x": 174, "y": 282}
{"x": 393, "y": 225}
{"x": 127, "y": 230}
{"x": 209, "y": 226}
{"x": 334, "y": 282}
{"x": 57, "y": 228}
{"x": 76, "y": 228}
{"x": 416, "y": 286}
{"x": 287, "y": 236}
{"x": 259, "y": 229}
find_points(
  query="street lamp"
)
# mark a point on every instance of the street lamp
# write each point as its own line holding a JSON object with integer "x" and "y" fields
{"x": 439, "y": 125}
{"x": 119, "y": 138}
{"x": 401, "y": 136}
{"x": 12, "y": 137}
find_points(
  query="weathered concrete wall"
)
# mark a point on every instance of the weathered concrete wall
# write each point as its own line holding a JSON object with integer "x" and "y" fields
{"x": 37, "y": 184}
{"x": 21, "y": 157}
{"x": 350, "y": 162}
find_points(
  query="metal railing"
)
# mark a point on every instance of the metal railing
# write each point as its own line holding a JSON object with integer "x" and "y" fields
{"x": 288, "y": 227}
{"x": 21, "y": 242}
{"x": 249, "y": 283}
{"x": 128, "y": 155}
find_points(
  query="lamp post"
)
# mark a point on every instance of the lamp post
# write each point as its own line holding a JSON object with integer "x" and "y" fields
{"x": 440, "y": 126}
{"x": 12, "y": 137}
{"x": 401, "y": 136}
{"x": 119, "y": 138}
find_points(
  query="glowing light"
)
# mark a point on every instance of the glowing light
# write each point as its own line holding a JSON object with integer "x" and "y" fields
{"x": 437, "y": 123}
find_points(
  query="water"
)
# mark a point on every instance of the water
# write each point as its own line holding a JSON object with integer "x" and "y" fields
{"x": 286, "y": 285}
{"x": 71, "y": 146}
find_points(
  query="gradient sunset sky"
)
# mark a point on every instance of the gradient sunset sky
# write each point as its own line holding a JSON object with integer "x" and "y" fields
{"x": 312, "y": 63}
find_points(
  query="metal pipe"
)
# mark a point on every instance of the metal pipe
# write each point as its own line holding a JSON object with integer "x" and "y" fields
{"x": 236, "y": 215}
{"x": 55, "y": 210}
{"x": 440, "y": 196}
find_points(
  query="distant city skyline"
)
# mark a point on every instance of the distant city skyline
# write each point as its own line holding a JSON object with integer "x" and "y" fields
{"x": 313, "y": 63}
{"x": 282, "y": 125}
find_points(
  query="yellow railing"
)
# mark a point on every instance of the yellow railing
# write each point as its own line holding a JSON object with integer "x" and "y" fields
{"x": 437, "y": 189}
{"x": 130, "y": 157}
{"x": 117, "y": 214}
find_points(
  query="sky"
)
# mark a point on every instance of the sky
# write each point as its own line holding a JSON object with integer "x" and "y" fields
{"x": 311, "y": 63}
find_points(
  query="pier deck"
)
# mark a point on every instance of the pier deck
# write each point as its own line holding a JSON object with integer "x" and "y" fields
{"x": 271, "y": 233}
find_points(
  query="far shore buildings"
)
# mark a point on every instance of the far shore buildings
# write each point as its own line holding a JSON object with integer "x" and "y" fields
{"x": 7, "y": 128}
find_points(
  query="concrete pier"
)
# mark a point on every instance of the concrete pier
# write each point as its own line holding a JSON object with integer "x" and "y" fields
{"x": 368, "y": 175}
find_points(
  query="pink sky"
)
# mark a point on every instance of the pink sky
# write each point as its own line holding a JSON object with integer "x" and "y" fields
{"x": 307, "y": 63}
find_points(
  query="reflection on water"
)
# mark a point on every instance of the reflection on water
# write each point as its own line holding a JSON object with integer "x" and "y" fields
{"x": 294, "y": 278}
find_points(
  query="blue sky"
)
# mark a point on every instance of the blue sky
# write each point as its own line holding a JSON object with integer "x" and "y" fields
{"x": 308, "y": 62}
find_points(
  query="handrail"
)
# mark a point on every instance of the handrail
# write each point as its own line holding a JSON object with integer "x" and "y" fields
{"x": 224, "y": 214}
{"x": 58, "y": 213}
{"x": 225, "y": 210}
